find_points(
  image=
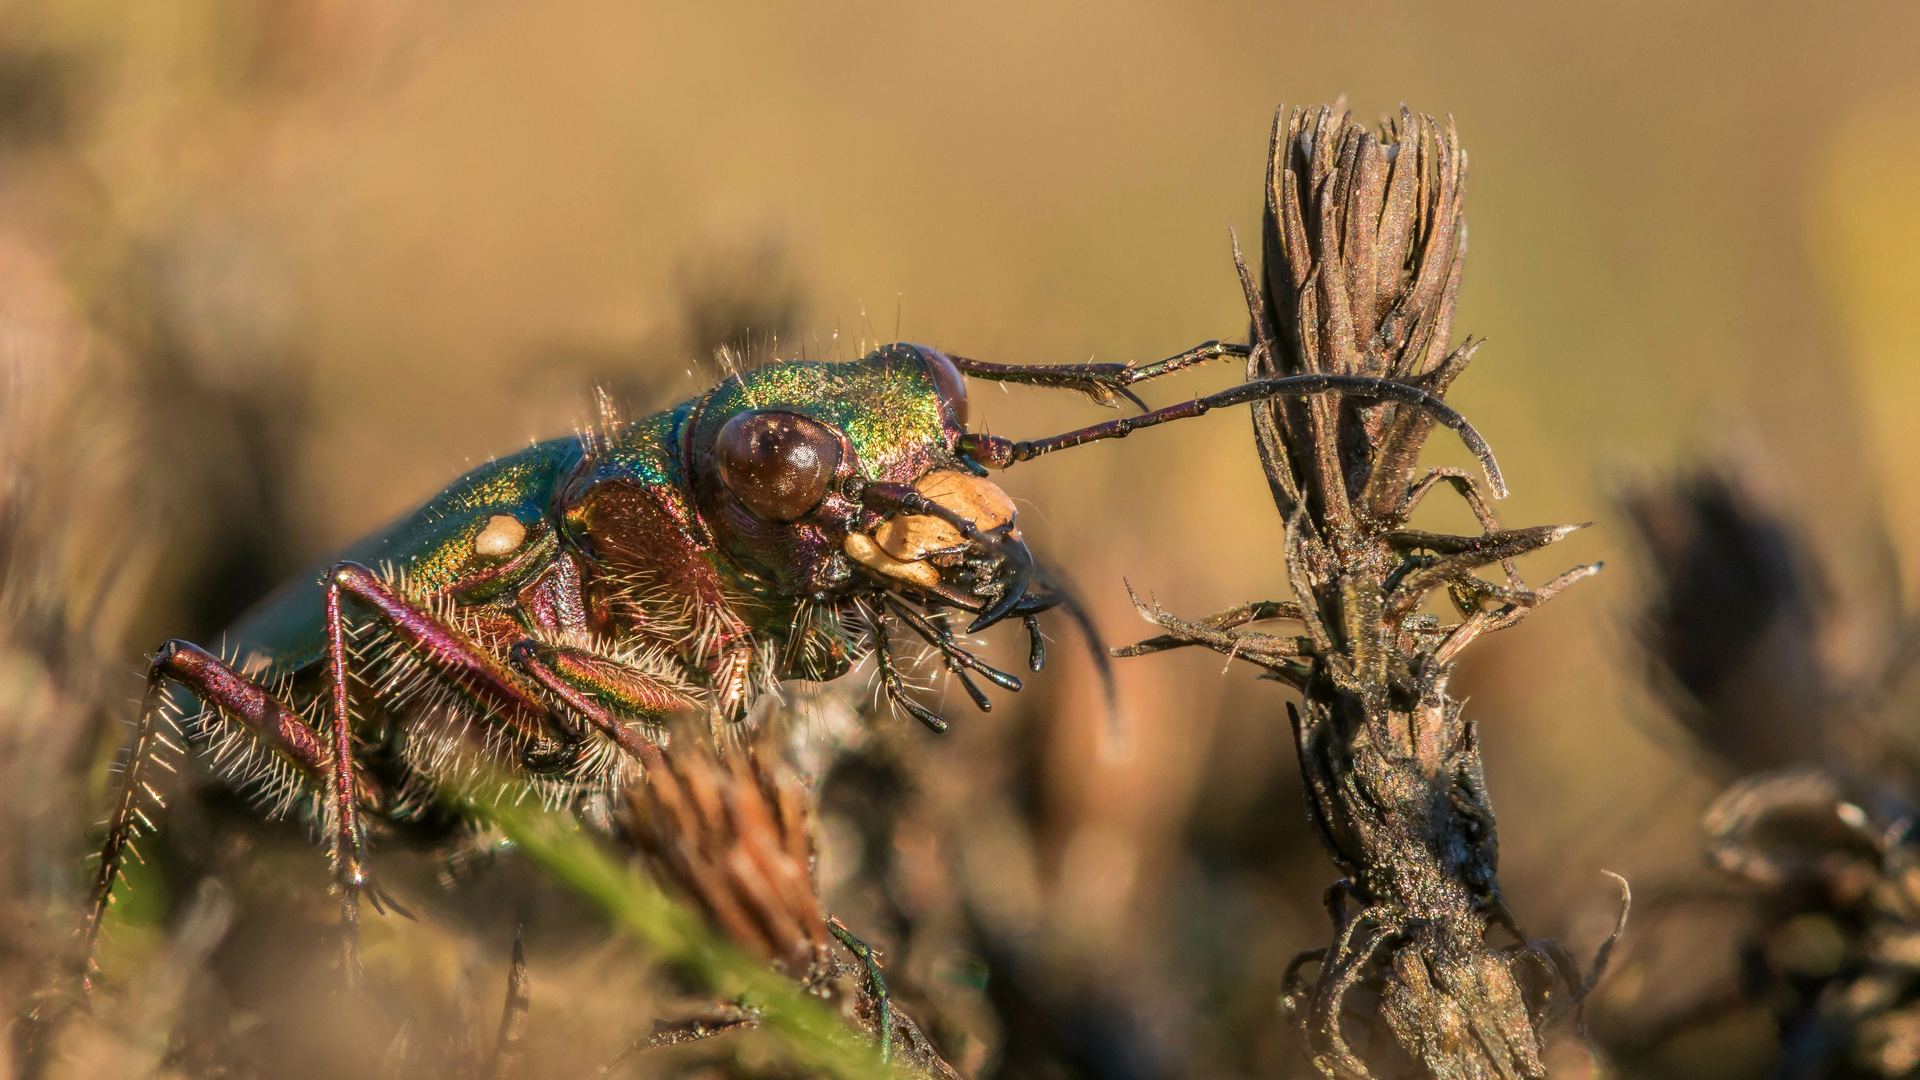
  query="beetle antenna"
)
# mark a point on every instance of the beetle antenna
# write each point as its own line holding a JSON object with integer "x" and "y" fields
{"x": 1000, "y": 453}
{"x": 1104, "y": 383}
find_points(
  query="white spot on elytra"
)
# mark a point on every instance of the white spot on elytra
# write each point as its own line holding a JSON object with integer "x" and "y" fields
{"x": 502, "y": 535}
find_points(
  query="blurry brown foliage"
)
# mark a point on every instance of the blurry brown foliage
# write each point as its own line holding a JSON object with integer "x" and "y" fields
{"x": 1813, "y": 834}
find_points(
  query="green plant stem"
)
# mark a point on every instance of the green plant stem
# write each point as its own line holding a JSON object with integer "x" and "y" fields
{"x": 813, "y": 1033}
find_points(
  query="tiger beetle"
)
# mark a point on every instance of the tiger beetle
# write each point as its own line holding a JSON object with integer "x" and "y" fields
{"x": 545, "y": 615}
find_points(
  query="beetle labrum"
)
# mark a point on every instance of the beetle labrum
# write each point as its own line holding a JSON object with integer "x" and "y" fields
{"x": 547, "y": 612}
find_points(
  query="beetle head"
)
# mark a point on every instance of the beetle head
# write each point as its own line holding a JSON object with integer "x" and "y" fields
{"x": 818, "y": 481}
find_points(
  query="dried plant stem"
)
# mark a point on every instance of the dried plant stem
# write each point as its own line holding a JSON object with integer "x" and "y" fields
{"x": 1363, "y": 249}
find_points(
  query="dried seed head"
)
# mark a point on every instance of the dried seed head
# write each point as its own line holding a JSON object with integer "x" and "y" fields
{"x": 1733, "y": 631}
{"x": 733, "y": 837}
{"x": 1363, "y": 244}
{"x": 1363, "y": 249}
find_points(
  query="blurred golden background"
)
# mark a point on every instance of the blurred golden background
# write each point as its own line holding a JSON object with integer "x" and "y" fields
{"x": 274, "y": 271}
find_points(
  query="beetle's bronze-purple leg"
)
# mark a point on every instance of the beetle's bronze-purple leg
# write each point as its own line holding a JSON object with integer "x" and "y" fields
{"x": 446, "y": 648}
{"x": 1000, "y": 453}
{"x": 1104, "y": 383}
{"x": 347, "y": 868}
{"x": 221, "y": 687}
{"x": 526, "y": 656}
{"x": 501, "y": 693}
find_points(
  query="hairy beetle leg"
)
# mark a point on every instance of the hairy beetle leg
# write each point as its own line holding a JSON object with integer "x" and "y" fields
{"x": 445, "y": 648}
{"x": 557, "y": 670}
{"x": 348, "y": 870}
{"x": 442, "y": 647}
{"x": 220, "y": 686}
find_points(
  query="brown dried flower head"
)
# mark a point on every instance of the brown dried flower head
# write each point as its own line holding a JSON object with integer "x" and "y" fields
{"x": 733, "y": 835}
{"x": 1363, "y": 249}
{"x": 1817, "y": 834}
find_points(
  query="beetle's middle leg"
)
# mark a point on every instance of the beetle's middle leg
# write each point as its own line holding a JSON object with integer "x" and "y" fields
{"x": 595, "y": 688}
{"x": 600, "y": 689}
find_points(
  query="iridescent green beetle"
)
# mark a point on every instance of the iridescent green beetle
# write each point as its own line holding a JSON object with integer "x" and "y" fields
{"x": 546, "y": 613}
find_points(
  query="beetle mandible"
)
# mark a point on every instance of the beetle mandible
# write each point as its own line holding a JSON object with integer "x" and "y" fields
{"x": 548, "y": 611}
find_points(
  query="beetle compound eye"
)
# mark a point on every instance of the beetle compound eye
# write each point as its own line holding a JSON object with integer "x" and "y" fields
{"x": 948, "y": 383}
{"x": 777, "y": 464}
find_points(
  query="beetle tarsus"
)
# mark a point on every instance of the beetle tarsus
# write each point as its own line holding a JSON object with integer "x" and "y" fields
{"x": 876, "y": 984}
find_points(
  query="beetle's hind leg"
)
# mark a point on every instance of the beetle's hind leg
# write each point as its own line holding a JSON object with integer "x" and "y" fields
{"x": 220, "y": 687}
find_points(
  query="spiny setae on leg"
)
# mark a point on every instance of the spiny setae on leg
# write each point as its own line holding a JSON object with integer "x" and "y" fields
{"x": 546, "y": 613}
{"x": 1363, "y": 247}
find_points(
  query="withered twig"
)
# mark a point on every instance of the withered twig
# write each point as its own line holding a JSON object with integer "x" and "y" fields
{"x": 1363, "y": 248}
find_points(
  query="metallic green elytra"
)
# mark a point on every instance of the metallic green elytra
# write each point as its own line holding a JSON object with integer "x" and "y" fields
{"x": 433, "y": 546}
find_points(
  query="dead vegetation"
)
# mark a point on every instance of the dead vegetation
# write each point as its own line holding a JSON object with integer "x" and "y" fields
{"x": 153, "y": 479}
{"x": 1363, "y": 248}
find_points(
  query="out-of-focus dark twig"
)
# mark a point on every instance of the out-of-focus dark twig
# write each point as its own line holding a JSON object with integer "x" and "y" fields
{"x": 1818, "y": 828}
